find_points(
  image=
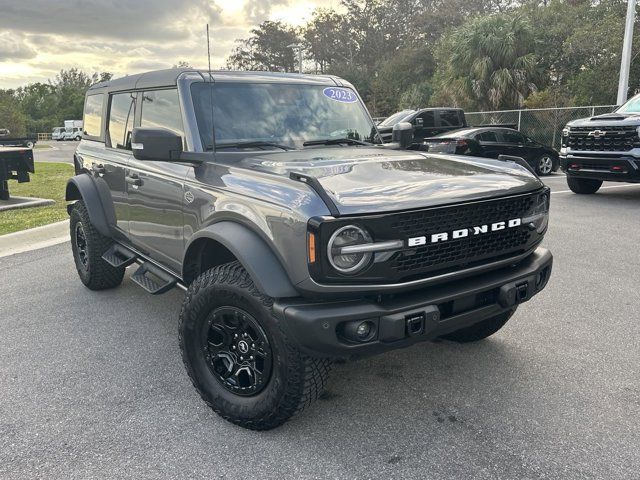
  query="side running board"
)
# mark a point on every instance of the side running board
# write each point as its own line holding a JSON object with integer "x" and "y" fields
{"x": 149, "y": 276}
{"x": 153, "y": 279}
{"x": 118, "y": 256}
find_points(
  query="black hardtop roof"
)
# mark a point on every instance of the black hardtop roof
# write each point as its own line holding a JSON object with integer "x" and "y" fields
{"x": 169, "y": 78}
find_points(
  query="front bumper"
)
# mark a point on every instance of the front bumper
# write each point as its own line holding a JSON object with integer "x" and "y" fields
{"x": 610, "y": 168}
{"x": 443, "y": 308}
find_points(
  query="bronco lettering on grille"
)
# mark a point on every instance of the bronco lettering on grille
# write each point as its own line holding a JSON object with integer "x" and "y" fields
{"x": 464, "y": 232}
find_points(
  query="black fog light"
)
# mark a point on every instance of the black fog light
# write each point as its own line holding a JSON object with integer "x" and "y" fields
{"x": 358, "y": 330}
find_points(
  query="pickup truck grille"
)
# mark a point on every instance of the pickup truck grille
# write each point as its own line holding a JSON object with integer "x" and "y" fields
{"x": 459, "y": 253}
{"x": 605, "y": 139}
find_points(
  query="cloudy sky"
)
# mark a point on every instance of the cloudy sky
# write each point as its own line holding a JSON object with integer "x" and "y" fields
{"x": 40, "y": 37}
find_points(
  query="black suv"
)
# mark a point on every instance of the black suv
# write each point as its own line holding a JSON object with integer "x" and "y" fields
{"x": 604, "y": 147}
{"x": 298, "y": 237}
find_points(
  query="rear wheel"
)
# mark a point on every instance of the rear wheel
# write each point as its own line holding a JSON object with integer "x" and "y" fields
{"x": 480, "y": 330}
{"x": 29, "y": 145}
{"x": 583, "y": 185}
{"x": 237, "y": 355}
{"x": 88, "y": 246}
{"x": 544, "y": 165}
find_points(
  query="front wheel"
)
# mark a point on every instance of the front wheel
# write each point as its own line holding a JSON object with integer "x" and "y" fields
{"x": 78, "y": 138}
{"x": 584, "y": 186}
{"x": 480, "y": 330}
{"x": 29, "y": 145}
{"x": 544, "y": 165}
{"x": 238, "y": 356}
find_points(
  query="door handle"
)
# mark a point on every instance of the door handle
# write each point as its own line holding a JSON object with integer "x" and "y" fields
{"x": 133, "y": 180}
{"x": 98, "y": 168}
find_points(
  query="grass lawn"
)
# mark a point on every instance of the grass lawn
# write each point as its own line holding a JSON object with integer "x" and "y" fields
{"x": 49, "y": 181}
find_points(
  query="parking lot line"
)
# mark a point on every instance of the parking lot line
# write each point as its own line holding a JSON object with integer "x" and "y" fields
{"x": 602, "y": 188}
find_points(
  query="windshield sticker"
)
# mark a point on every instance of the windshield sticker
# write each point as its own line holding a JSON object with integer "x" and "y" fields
{"x": 343, "y": 95}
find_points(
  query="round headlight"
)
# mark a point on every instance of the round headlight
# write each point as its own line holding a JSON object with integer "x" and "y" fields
{"x": 348, "y": 263}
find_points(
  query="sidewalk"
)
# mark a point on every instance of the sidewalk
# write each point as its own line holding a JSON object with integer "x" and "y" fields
{"x": 34, "y": 238}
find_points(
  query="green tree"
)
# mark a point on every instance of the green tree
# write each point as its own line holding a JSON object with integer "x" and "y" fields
{"x": 11, "y": 116}
{"x": 266, "y": 49}
{"x": 489, "y": 63}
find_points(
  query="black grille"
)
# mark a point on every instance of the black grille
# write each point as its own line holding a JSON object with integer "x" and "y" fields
{"x": 609, "y": 138}
{"x": 468, "y": 250}
{"x": 451, "y": 255}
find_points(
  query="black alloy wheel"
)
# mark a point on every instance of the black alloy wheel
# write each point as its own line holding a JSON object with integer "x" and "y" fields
{"x": 238, "y": 352}
{"x": 81, "y": 245}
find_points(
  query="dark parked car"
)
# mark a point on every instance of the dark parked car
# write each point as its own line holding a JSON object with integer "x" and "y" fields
{"x": 426, "y": 122}
{"x": 492, "y": 142}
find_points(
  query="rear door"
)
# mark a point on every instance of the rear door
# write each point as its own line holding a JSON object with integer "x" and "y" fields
{"x": 515, "y": 144}
{"x": 156, "y": 188}
{"x": 489, "y": 142}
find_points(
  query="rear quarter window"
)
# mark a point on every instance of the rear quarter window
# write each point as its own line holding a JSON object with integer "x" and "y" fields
{"x": 93, "y": 113}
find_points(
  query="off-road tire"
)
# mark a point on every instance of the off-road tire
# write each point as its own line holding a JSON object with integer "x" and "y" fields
{"x": 296, "y": 380}
{"x": 583, "y": 186}
{"x": 480, "y": 330}
{"x": 96, "y": 274}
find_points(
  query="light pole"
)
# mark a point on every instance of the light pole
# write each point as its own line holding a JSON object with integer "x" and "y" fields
{"x": 625, "y": 62}
{"x": 297, "y": 46}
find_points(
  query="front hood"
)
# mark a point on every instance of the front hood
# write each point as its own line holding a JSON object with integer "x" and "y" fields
{"x": 607, "y": 119}
{"x": 373, "y": 179}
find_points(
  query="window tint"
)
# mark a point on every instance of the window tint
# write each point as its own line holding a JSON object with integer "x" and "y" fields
{"x": 161, "y": 109}
{"x": 93, "y": 115}
{"x": 487, "y": 137}
{"x": 428, "y": 119}
{"x": 121, "y": 114}
{"x": 449, "y": 118}
{"x": 512, "y": 137}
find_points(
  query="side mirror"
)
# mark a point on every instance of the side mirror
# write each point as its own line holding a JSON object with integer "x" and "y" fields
{"x": 419, "y": 122}
{"x": 157, "y": 144}
{"x": 402, "y": 134}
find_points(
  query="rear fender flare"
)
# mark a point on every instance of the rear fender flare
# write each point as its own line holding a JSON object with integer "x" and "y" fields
{"x": 96, "y": 196}
{"x": 253, "y": 253}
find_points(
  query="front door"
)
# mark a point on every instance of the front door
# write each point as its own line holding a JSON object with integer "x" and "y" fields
{"x": 156, "y": 189}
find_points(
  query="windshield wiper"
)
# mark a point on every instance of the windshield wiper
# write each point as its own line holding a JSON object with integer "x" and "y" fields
{"x": 334, "y": 141}
{"x": 250, "y": 145}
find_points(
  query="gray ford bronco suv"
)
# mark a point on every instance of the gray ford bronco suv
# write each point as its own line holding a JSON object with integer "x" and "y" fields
{"x": 298, "y": 237}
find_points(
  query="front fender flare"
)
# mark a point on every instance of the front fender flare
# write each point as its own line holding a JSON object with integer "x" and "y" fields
{"x": 254, "y": 254}
{"x": 96, "y": 196}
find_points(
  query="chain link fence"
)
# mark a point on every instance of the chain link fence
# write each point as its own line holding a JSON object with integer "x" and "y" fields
{"x": 542, "y": 124}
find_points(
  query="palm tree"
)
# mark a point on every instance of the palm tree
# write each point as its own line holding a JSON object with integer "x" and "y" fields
{"x": 490, "y": 62}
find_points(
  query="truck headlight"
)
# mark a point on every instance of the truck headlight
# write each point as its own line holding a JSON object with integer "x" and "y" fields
{"x": 348, "y": 263}
{"x": 539, "y": 218}
{"x": 566, "y": 130}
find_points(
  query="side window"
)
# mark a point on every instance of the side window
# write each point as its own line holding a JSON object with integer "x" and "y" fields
{"x": 161, "y": 109}
{"x": 121, "y": 114}
{"x": 449, "y": 118}
{"x": 513, "y": 137}
{"x": 93, "y": 115}
{"x": 487, "y": 137}
{"x": 426, "y": 119}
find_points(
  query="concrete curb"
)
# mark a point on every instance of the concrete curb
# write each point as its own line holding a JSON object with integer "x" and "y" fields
{"x": 34, "y": 238}
{"x": 15, "y": 203}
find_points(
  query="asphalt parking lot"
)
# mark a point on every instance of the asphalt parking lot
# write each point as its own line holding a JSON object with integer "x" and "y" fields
{"x": 59, "y": 152}
{"x": 92, "y": 384}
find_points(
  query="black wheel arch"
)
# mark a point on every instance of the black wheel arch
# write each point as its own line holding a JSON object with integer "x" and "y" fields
{"x": 97, "y": 198}
{"x": 227, "y": 240}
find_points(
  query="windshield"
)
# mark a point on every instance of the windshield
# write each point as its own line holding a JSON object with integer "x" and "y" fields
{"x": 632, "y": 106}
{"x": 279, "y": 113}
{"x": 396, "y": 118}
